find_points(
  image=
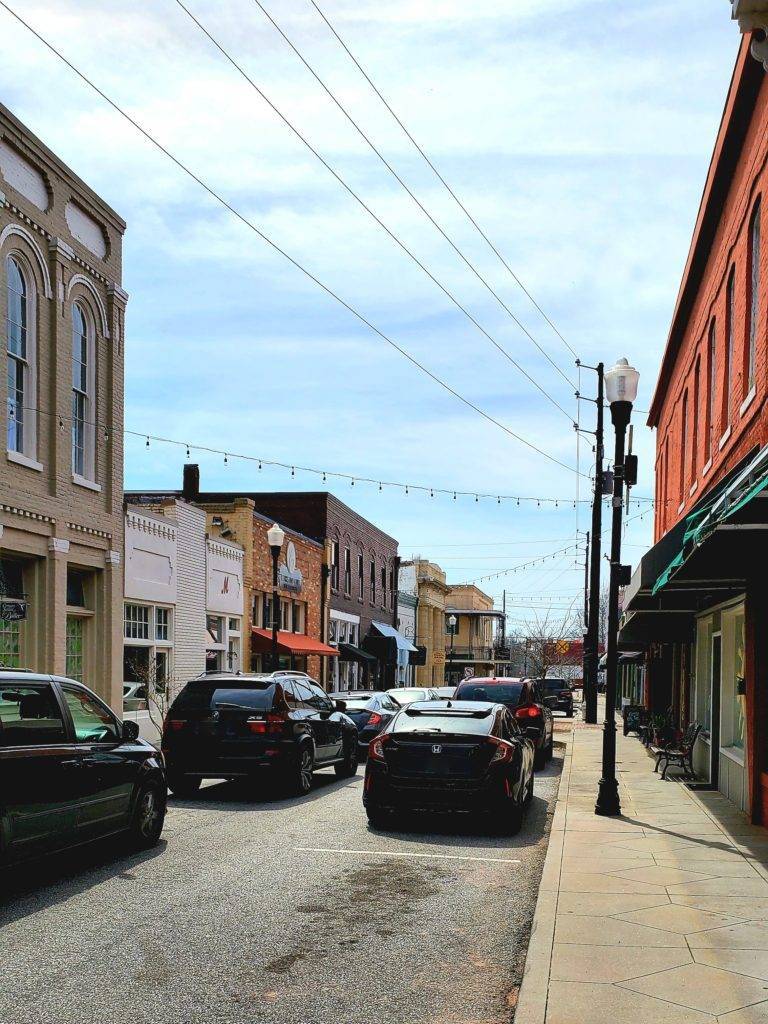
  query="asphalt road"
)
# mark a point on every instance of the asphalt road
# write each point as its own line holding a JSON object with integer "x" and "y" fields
{"x": 260, "y": 909}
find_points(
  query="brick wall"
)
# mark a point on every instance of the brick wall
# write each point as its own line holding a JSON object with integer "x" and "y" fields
{"x": 708, "y": 419}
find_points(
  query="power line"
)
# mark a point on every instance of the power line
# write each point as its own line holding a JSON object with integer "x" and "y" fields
{"x": 348, "y": 188}
{"x": 440, "y": 177}
{"x": 282, "y": 252}
{"x": 334, "y": 99}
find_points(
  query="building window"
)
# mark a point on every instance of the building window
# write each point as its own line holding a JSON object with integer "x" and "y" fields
{"x": 711, "y": 393}
{"x": 10, "y": 643}
{"x": 383, "y": 586}
{"x": 332, "y": 631}
{"x": 83, "y": 405}
{"x": 20, "y": 347}
{"x": 361, "y": 576}
{"x": 392, "y": 589}
{"x": 162, "y": 623}
{"x": 695, "y": 423}
{"x": 75, "y": 647}
{"x": 754, "y": 298}
{"x": 728, "y": 367}
{"x": 372, "y": 595}
{"x": 136, "y": 622}
{"x": 334, "y": 565}
{"x": 683, "y": 440}
{"x": 347, "y": 571}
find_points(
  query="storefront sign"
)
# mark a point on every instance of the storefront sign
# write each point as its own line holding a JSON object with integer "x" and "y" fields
{"x": 12, "y": 610}
{"x": 289, "y": 575}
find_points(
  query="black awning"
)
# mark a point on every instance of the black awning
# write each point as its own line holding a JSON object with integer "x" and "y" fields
{"x": 348, "y": 652}
{"x": 643, "y": 628}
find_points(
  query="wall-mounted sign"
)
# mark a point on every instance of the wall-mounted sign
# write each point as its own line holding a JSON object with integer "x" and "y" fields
{"x": 289, "y": 575}
{"x": 12, "y": 610}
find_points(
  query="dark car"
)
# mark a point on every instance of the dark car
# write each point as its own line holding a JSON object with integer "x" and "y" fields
{"x": 556, "y": 694}
{"x": 230, "y": 726}
{"x": 71, "y": 771}
{"x": 460, "y": 757}
{"x": 520, "y": 697}
{"x": 370, "y": 712}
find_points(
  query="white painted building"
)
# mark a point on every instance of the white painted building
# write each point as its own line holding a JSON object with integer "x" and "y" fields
{"x": 184, "y": 604}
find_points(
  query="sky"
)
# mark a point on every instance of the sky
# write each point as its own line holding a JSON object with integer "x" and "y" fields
{"x": 576, "y": 132}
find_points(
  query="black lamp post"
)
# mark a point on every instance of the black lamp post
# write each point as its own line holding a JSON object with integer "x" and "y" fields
{"x": 275, "y": 538}
{"x": 621, "y": 390}
{"x": 452, "y": 630}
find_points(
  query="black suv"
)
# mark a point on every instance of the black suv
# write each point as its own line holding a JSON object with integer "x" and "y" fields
{"x": 229, "y": 726}
{"x": 71, "y": 771}
{"x": 556, "y": 694}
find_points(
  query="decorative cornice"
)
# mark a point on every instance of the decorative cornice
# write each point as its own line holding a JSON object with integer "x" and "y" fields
{"x": 116, "y": 292}
{"x": 58, "y": 545}
{"x": 155, "y": 528}
{"x": 225, "y": 550}
{"x": 79, "y": 528}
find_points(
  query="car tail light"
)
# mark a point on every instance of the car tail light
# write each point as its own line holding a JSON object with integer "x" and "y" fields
{"x": 376, "y": 747}
{"x": 375, "y": 719}
{"x": 530, "y": 711}
{"x": 261, "y": 726}
{"x": 175, "y": 724}
{"x": 504, "y": 751}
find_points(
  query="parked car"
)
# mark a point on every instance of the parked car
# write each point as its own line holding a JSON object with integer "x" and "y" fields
{"x": 71, "y": 771}
{"x": 469, "y": 758}
{"x": 370, "y": 712}
{"x": 519, "y": 696}
{"x": 225, "y": 725}
{"x": 445, "y": 692}
{"x": 407, "y": 694}
{"x": 556, "y": 694}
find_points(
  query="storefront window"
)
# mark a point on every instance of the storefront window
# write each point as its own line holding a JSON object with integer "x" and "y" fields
{"x": 74, "y": 647}
{"x": 10, "y": 644}
{"x": 739, "y": 688}
{"x": 136, "y": 622}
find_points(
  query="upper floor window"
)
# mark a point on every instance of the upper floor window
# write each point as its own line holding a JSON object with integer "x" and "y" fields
{"x": 360, "y": 576}
{"x": 711, "y": 392}
{"x": 730, "y": 305}
{"x": 83, "y": 406}
{"x": 754, "y": 298}
{"x": 372, "y": 595}
{"x": 335, "y": 565}
{"x": 383, "y": 586}
{"x": 347, "y": 571}
{"x": 695, "y": 423}
{"x": 20, "y": 346}
{"x": 683, "y": 446}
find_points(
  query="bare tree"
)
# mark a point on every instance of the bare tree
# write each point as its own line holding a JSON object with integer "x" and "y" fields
{"x": 157, "y": 687}
{"x": 548, "y": 642}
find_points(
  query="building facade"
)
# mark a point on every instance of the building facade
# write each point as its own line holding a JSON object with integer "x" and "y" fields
{"x": 62, "y": 319}
{"x": 430, "y": 619}
{"x": 407, "y": 617}
{"x": 698, "y": 602}
{"x": 470, "y": 651}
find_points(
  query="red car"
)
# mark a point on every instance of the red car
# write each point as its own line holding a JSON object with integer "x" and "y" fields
{"x": 519, "y": 695}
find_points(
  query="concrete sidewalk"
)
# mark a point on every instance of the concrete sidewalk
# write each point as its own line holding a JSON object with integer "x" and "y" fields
{"x": 658, "y": 916}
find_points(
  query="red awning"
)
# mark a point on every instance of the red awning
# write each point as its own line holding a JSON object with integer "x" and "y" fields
{"x": 290, "y": 643}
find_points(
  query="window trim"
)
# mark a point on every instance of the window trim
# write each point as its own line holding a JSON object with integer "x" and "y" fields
{"x": 754, "y": 246}
{"x": 88, "y": 476}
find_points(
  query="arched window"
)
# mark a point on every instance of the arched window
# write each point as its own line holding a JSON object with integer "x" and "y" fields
{"x": 20, "y": 347}
{"x": 82, "y": 393}
{"x": 754, "y": 298}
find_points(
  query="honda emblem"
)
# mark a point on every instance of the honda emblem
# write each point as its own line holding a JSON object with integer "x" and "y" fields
{"x": 436, "y": 748}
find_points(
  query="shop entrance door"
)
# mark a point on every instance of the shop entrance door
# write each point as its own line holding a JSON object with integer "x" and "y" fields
{"x": 714, "y": 730}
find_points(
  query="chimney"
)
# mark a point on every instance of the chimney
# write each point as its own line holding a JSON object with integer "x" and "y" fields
{"x": 191, "y": 490}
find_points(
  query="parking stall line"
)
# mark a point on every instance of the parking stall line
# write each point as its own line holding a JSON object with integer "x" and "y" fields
{"x": 390, "y": 853}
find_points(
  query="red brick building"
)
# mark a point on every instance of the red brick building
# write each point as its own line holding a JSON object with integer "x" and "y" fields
{"x": 698, "y": 602}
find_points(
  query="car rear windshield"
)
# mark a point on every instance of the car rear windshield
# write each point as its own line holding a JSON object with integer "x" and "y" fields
{"x": 200, "y": 695}
{"x": 359, "y": 705}
{"x": 450, "y": 724}
{"x": 501, "y": 693}
{"x": 555, "y": 685}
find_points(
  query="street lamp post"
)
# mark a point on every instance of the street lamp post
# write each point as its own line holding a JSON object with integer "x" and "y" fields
{"x": 452, "y": 630}
{"x": 275, "y": 538}
{"x": 621, "y": 390}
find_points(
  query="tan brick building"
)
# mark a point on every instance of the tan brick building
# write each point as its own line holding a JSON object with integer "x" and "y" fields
{"x": 430, "y": 621}
{"x": 62, "y": 315}
{"x": 473, "y": 641}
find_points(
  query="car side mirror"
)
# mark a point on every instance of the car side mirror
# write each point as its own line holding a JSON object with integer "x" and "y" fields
{"x": 340, "y": 705}
{"x": 130, "y": 731}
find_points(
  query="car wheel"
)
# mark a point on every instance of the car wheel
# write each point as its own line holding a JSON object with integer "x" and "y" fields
{"x": 183, "y": 785}
{"x": 348, "y": 767}
{"x": 148, "y": 816}
{"x": 301, "y": 782}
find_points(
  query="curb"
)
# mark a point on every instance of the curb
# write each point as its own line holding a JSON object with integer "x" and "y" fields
{"x": 534, "y": 989}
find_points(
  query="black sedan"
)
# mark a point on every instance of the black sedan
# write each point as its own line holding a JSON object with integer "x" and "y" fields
{"x": 71, "y": 771}
{"x": 370, "y": 712}
{"x": 459, "y": 756}
{"x": 225, "y": 725}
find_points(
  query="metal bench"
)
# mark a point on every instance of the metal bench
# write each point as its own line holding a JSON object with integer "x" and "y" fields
{"x": 681, "y": 755}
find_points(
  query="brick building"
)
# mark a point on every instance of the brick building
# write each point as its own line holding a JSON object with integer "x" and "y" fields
{"x": 62, "y": 313}
{"x": 698, "y": 601}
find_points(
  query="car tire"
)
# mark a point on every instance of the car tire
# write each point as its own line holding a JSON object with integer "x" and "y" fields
{"x": 348, "y": 767}
{"x": 184, "y": 785}
{"x": 148, "y": 816}
{"x": 301, "y": 776}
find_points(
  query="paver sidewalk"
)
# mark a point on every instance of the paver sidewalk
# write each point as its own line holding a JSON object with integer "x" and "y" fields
{"x": 658, "y": 916}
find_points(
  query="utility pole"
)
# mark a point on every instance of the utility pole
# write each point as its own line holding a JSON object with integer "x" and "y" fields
{"x": 591, "y": 657}
{"x": 586, "y": 582}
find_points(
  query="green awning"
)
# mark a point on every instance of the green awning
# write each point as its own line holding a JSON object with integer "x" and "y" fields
{"x": 723, "y": 505}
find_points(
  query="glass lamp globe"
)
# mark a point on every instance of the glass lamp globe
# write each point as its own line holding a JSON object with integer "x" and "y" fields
{"x": 275, "y": 536}
{"x": 621, "y": 382}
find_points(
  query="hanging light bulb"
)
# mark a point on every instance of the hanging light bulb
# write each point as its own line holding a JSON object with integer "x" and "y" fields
{"x": 406, "y": 488}
{"x": 352, "y": 482}
{"x": 379, "y": 484}
{"x": 498, "y": 499}
{"x": 226, "y": 460}
{"x": 259, "y": 465}
{"x": 147, "y": 440}
{"x": 188, "y": 455}
{"x": 293, "y": 471}
{"x": 431, "y": 493}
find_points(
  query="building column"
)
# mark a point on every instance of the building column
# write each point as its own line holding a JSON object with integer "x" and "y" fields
{"x": 55, "y": 621}
{"x": 112, "y": 629}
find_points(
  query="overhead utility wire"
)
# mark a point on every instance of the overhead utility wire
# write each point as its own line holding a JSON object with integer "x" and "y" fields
{"x": 440, "y": 177}
{"x": 348, "y": 188}
{"x": 248, "y": 223}
{"x": 334, "y": 99}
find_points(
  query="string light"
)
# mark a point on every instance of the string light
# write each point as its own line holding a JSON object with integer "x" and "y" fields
{"x": 188, "y": 453}
{"x": 225, "y": 458}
